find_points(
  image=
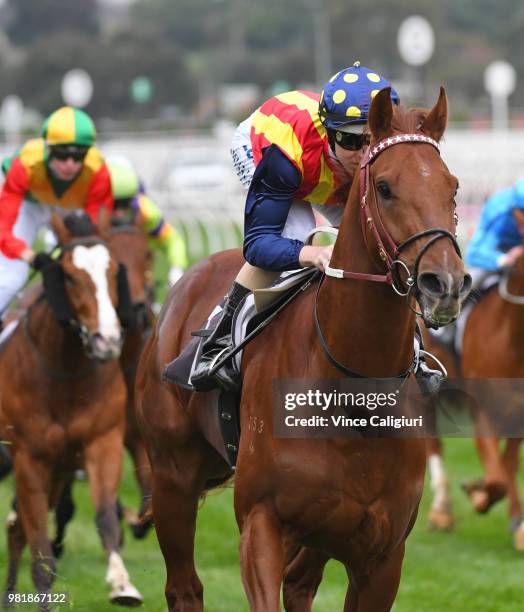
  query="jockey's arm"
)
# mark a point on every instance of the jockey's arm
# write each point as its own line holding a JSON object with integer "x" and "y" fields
{"x": 484, "y": 250}
{"x": 12, "y": 195}
{"x": 163, "y": 236}
{"x": 100, "y": 194}
{"x": 270, "y": 196}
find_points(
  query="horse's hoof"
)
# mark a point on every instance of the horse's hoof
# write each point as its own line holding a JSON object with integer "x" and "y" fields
{"x": 484, "y": 495}
{"x": 8, "y": 602}
{"x": 57, "y": 548}
{"x": 140, "y": 530}
{"x": 126, "y": 596}
{"x": 441, "y": 519}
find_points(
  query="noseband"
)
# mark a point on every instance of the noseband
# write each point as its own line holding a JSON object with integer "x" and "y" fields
{"x": 371, "y": 219}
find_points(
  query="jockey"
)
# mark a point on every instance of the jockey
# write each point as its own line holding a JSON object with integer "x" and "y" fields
{"x": 61, "y": 169}
{"x": 498, "y": 239}
{"x": 134, "y": 206}
{"x": 296, "y": 152}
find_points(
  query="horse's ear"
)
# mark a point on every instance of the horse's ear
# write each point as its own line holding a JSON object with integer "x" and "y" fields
{"x": 381, "y": 114}
{"x": 103, "y": 222}
{"x": 436, "y": 120}
{"x": 62, "y": 233}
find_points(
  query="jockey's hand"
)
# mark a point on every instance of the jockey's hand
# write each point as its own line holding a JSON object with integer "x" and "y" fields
{"x": 28, "y": 255}
{"x": 317, "y": 256}
{"x": 511, "y": 257}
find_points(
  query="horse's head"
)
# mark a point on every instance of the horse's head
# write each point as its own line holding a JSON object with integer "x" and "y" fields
{"x": 129, "y": 245}
{"x": 410, "y": 209}
{"x": 88, "y": 288}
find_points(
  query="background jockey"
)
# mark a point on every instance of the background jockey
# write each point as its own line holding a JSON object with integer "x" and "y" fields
{"x": 134, "y": 206}
{"x": 61, "y": 169}
{"x": 297, "y": 151}
{"x": 498, "y": 239}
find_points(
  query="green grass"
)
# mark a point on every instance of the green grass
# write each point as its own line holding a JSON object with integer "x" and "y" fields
{"x": 473, "y": 568}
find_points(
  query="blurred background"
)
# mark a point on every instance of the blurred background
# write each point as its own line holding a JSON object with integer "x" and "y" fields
{"x": 168, "y": 80}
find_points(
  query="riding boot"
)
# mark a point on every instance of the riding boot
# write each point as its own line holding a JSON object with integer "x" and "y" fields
{"x": 429, "y": 380}
{"x": 218, "y": 343}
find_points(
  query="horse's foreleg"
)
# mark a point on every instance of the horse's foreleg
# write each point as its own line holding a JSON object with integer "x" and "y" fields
{"x": 302, "y": 577}
{"x": 33, "y": 483}
{"x": 493, "y": 487}
{"x": 15, "y": 544}
{"x": 138, "y": 522}
{"x": 376, "y": 591}
{"x": 103, "y": 460}
{"x": 511, "y": 462}
{"x": 64, "y": 512}
{"x": 440, "y": 513}
{"x": 261, "y": 558}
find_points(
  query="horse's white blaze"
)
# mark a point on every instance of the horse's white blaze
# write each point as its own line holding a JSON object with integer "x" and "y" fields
{"x": 95, "y": 261}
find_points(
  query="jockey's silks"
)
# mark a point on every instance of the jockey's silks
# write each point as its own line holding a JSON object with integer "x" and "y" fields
{"x": 291, "y": 122}
{"x": 27, "y": 178}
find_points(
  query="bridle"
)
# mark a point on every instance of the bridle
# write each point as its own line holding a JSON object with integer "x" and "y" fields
{"x": 371, "y": 219}
{"x": 390, "y": 255}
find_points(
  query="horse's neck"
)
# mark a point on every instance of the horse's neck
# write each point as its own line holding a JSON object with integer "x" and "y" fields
{"x": 368, "y": 327}
{"x": 60, "y": 349}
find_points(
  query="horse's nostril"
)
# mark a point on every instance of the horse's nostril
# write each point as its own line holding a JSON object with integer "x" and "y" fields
{"x": 431, "y": 284}
{"x": 467, "y": 282}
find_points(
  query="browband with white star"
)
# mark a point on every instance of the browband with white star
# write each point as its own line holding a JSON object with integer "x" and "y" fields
{"x": 393, "y": 140}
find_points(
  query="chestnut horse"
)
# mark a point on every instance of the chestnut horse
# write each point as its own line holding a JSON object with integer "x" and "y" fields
{"x": 492, "y": 348}
{"x": 130, "y": 246}
{"x": 63, "y": 405}
{"x": 299, "y": 502}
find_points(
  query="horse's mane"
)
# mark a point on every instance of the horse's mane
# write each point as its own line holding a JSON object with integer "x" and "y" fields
{"x": 408, "y": 120}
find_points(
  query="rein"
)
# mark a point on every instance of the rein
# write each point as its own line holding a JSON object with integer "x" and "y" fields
{"x": 372, "y": 220}
{"x": 61, "y": 375}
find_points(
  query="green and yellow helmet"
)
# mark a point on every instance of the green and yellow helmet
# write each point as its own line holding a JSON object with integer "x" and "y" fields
{"x": 69, "y": 126}
{"x": 124, "y": 180}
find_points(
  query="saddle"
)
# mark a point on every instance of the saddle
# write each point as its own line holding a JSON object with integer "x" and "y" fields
{"x": 253, "y": 315}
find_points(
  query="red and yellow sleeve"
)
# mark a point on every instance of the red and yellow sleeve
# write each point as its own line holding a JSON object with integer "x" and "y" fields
{"x": 99, "y": 194}
{"x": 12, "y": 195}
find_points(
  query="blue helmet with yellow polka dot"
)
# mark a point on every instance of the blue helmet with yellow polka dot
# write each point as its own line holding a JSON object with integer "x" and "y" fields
{"x": 346, "y": 98}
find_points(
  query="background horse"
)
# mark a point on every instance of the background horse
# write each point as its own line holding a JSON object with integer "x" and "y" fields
{"x": 492, "y": 348}
{"x": 129, "y": 244}
{"x": 299, "y": 502}
{"x": 63, "y": 405}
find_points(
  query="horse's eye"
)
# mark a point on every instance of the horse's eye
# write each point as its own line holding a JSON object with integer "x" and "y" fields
{"x": 384, "y": 190}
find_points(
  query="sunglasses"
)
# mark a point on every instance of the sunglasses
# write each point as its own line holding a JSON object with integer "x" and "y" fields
{"x": 351, "y": 142}
{"x": 62, "y": 154}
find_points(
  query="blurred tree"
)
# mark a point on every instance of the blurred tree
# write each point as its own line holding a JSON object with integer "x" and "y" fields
{"x": 30, "y": 19}
{"x": 112, "y": 63}
{"x": 494, "y": 20}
